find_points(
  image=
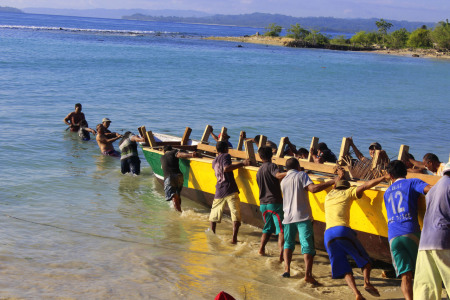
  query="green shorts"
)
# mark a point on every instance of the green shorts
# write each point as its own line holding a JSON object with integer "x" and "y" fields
{"x": 404, "y": 250}
{"x": 305, "y": 233}
{"x": 273, "y": 218}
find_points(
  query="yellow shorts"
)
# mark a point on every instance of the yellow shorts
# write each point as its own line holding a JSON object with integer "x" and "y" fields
{"x": 234, "y": 204}
{"x": 432, "y": 269}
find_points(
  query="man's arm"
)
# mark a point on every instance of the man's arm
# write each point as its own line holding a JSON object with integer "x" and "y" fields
{"x": 314, "y": 188}
{"x": 104, "y": 139}
{"x": 214, "y": 136}
{"x": 138, "y": 139}
{"x": 369, "y": 184}
{"x": 90, "y": 130}
{"x": 358, "y": 153}
{"x": 186, "y": 155}
{"x": 427, "y": 189}
{"x": 67, "y": 119}
{"x": 232, "y": 167}
{"x": 280, "y": 175}
{"x": 417, "y": 163}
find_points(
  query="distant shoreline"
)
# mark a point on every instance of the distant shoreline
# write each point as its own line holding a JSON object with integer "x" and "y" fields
{"x": 282, "y": 41}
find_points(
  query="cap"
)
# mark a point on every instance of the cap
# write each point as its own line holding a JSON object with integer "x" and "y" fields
{"x": 106, "y": 120}
{"x": 446, "y": 168}
{"x": 342, "y": 184}
{"x": 375, "y": 145}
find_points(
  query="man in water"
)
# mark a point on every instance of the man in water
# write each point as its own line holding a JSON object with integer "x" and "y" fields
{"x": 226, "y": 138}
{"x": 433, "y": 260}
{"x": 106, "y": 122}
{"x": 84, "y": 131}
{"x": 323, "y": 154}
{"x": 431, "y": 162}
{"x": 226, "y": 189}
{"x": 297, "y": 215}
{"x": 173, "y": 178}
{"x": 129, "y": 157}
{"x": 401, "y": 201}
{"x": 340, "y": 240}
{"x": 271, "y": 201}
{"x": 105, "y": 140}
{"x": 372, "y": 148}
{"x": 74, "y": 118}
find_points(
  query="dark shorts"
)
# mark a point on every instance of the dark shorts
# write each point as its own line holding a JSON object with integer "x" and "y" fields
{"x": 173, "y": 185}
{"x": 113, "y": 153}
{"x": 131, "y": 164}
{"x": 341, "y": 241}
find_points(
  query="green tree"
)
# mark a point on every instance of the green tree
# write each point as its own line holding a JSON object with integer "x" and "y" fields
{"x": 360, "y": 38}
{"x": 273, "y": 30}
{"x": 340, "y": 40}
{"x": 383, "y": 27}
{"x": 441, "y": 35}
{"x": 317, "y": 38}
{"x": 398, "y": 38}
{"x": 297, "y": 32}
{"x": 420, "y": 38}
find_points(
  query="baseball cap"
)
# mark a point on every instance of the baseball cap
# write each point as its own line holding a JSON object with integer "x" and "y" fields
{"x": 375, "y": 145}
{"x": 106, "y": 120}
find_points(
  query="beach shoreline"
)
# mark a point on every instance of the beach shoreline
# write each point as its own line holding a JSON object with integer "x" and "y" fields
{"x": 282, "y": 41}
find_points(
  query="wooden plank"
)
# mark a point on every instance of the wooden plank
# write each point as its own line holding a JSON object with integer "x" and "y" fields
{"x": 430, "y": 179}
{"x": 314, "y": 142}
{"x": 212, "y": 149}
{"x": 403, "y": 153}
{"x": 345, "y": 147}
{"x": 250, "y": 152}
{"x": 142, "y": 132}
{"x": 151, "y": 139}
{"x": 185, "y": 138}
{"x": 262, "y": 141}
{"x": 281, "y": 146}
{"x": 206, "y": 134}
{"x": 376, "y": 159}
{"x": 242, "y": 137}
{"x": 323, "y": 168}
{"x": 223, "y": 133}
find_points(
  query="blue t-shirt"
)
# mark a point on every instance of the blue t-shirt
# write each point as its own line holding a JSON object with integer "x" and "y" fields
{"x": 401, "y": 200}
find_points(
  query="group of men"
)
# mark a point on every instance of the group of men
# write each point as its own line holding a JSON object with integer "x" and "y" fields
{"x": 286, "y": 211}
{"x": 129, "y": 157}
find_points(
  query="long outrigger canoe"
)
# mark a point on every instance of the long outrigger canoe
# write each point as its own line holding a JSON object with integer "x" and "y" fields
{"x": 367, "y": 215}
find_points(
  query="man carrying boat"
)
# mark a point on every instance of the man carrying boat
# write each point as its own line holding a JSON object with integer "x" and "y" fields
{"x": 173, "y": 178}
{"x": 372, "y": 148}
{"x": 129, "y": 157}
{"x": 226, "y": 138}
{"x": 74, "y": 118}
{"x": 226, "y": 189}
{"x": 297, "y": 215}
{"x": 271, "y": 201}
{"x": 323, "y": 154}
{"x": 401, "y": 201}
{"x": 340, "y": 240}
{"x": 430, "y": 162}
{"x": 433, "y": 260}
{"x": 105, "y": 140}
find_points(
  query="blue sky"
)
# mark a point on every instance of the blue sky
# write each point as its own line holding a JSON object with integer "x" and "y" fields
{"x": 411, "y": 10}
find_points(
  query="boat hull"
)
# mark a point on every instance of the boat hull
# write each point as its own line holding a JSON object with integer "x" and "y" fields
{"x": 367, "y": 215}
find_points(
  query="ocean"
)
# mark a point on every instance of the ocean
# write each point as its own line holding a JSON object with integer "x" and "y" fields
{"x": 74, "y": 227}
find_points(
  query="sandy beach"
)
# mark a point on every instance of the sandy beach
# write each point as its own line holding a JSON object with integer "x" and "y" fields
{"x": 282, "y": 41}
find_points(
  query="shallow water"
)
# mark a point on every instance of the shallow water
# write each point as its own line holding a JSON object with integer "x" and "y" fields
{"x": 74, "y": 228}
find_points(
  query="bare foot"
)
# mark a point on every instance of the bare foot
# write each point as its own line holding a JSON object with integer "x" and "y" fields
{"x": 312, "y": 281}
{"x": 360, "y": 297}
{"x": 234, "y": 242}
{"x": 262, "y": 252}
{"x": 371, "y": 290}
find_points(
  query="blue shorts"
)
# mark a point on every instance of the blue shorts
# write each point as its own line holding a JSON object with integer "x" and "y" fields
{"x": 273, "y": 218}
{"x": 173, "y": 185}
{"x": 305, "y": 233}
{"x": 341, "y": 241}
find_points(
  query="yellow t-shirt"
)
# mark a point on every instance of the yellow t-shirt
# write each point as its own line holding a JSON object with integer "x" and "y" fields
{"x": 337, "y": 207}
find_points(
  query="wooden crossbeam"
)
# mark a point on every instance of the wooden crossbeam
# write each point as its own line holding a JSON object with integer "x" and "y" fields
{"x": 142, "y": 132}
{"x": 345, "y": 147}
{"x": 314, "y": 142}
{"x": 281, "y": 146}
{"x": 185, "y": 138}
{"x": 206, "y": 134}
{"x": 242, "y": 137}
{"x": 403, "y": 153}
{"x": 376, "y": 159}
{"x": 250, "y": 152}
{"x": 262, "y": 141}
{"x": 223, "y": 132}
{"x": 151, "y": 139}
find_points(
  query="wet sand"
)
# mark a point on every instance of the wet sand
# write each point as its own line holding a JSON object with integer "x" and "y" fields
{"x": 281, "y": 41}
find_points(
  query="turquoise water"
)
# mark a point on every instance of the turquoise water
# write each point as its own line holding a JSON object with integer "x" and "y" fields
{"x": 73, "y": 226}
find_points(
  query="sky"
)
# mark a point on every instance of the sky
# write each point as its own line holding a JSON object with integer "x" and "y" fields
{"x": 410, "y": 10}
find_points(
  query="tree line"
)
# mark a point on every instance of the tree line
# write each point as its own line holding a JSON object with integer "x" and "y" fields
{"x": 423, "y": 37}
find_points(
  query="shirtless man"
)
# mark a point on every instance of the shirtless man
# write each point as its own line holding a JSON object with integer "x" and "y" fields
{"x": 105, "y": 140}
{"x": 74, "y": 118}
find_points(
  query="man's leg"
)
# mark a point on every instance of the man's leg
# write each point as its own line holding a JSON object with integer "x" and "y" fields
{"x": 367, "y": 285}
{"x": 351, "y": 283}
{"x": 309, "y": 260}
{"x": 287, "y": 262}
{"x": 264, "y": 239}
{"x": 306, "y": 237}
{"x": 176, "y": 202}
{"x": 280, "y": 245}
{"x": 213, "y": 226}
{"x": 407, "y": 285}
{"x": 236, "y": 225}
